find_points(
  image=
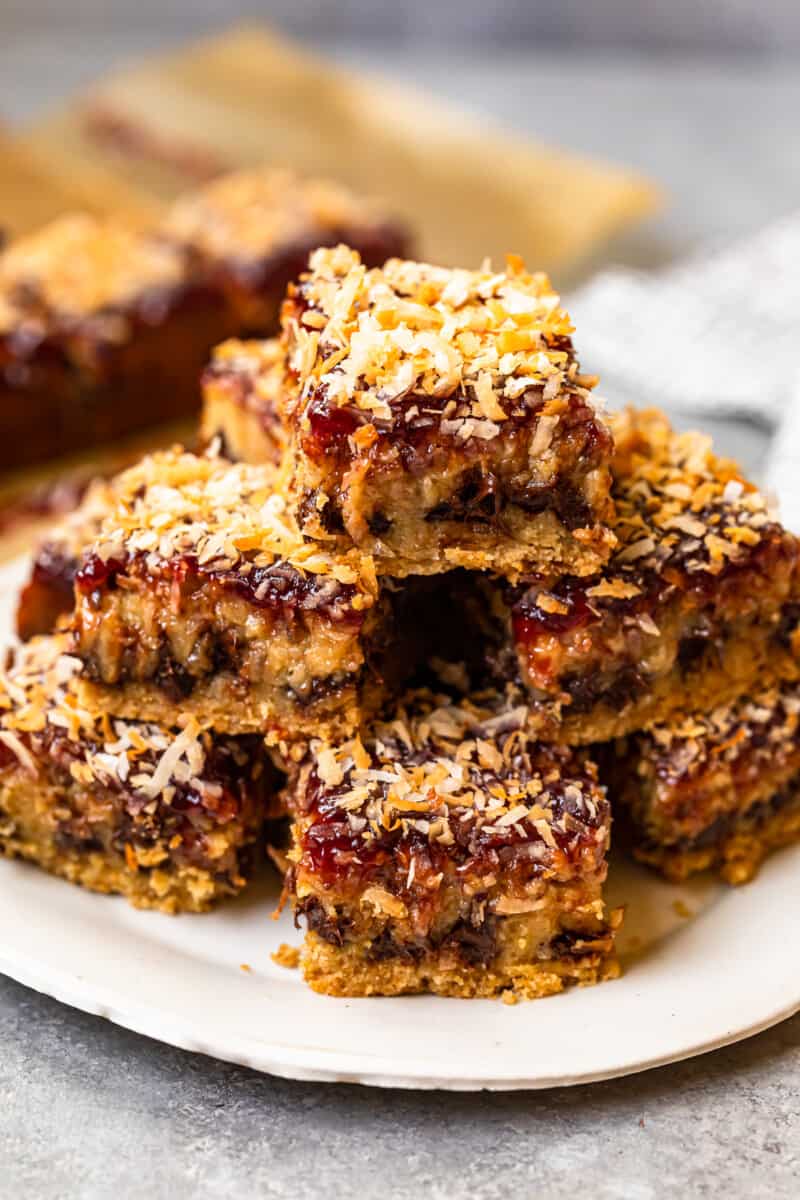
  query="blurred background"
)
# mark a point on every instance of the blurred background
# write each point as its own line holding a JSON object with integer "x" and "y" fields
{"x": 646, "y": 131}
{"x": 700, "y": 97}
{"x": 685, "y": 25}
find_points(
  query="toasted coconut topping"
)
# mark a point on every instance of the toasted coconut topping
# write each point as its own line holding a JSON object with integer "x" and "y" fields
{"x": 761, "y": 728}
{"x": 682, "y": 515}
{"x": 79, "y": 266}
{"x": 261, "y": 210}
{"x": 226, "y": 516}
{"x": 442, "y": 767}
{"x": 678, "y": 505}
{"x": 471, "y": 348}
{"x": 39, "y": 711}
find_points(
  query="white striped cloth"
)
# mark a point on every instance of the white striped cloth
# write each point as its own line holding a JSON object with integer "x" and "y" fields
{"x": 717, "y": 335}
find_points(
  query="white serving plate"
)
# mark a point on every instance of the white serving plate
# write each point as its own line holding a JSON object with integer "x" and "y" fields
{"x": 704, "y": 966}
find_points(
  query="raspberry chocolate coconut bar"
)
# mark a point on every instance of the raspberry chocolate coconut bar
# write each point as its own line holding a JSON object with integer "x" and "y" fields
{"x": 717, "y": 789}
{"x": 168, "y": 818}
{"x": 437, "y": 418}
{"x": 445, "y": 851}
{"x": 198, "y": 597}
{"x": 699, "y": 599}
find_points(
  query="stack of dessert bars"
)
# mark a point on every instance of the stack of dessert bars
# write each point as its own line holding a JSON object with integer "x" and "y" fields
{"x": 420, "y": 595}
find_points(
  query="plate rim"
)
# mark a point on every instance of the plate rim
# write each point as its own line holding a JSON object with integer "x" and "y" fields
{"x": 148, "y": 1021}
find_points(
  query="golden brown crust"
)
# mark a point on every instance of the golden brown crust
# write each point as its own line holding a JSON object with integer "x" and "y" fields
{"x": 27, "y": 832}
{"x": 336, "y": 971}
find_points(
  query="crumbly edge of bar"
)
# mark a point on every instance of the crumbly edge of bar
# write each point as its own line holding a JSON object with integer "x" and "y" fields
{"x": 530, "y": 542}
{"x": 335, "y": 971}
{"x": 217, "y": 705}
{"x": 738, "y": 855}
{"x": 167, "y": 889}
{"x": 749, "y": 660}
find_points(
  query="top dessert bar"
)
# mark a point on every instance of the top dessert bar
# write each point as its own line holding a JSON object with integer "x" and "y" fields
{"x": 444, "y": 850}
{"x": 437, "y": 418}
{"x": 198, "y": 596}
{"x": 104, "y": 330}
{"x": 700, "y": 598}
{"x": 243, "y": 389}
{"x": 713, "y": 789}
{"x": 255, "y": 229}
{"x": 170, "y": 818}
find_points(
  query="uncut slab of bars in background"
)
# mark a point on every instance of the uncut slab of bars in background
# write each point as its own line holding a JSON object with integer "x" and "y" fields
{"x": 104, "y": 329}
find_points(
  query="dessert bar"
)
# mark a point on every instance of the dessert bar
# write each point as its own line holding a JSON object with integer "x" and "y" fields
{"x": 253, "y": 231}
{"x": 198, "y": 596}
{"x": 699, "y": 599}
{"x": 170, "y": 819}
{"x": 444, "y": 851}
{"x": 242, "y": 401}
{"x": 437, "y": 418}
{"x": 104, "y": 329}
{"x": 717, "y": 789}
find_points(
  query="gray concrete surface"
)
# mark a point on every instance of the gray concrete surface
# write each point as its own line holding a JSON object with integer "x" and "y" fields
{"x": 89, "y": 1110}
{"x": 93, "y": 1111}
